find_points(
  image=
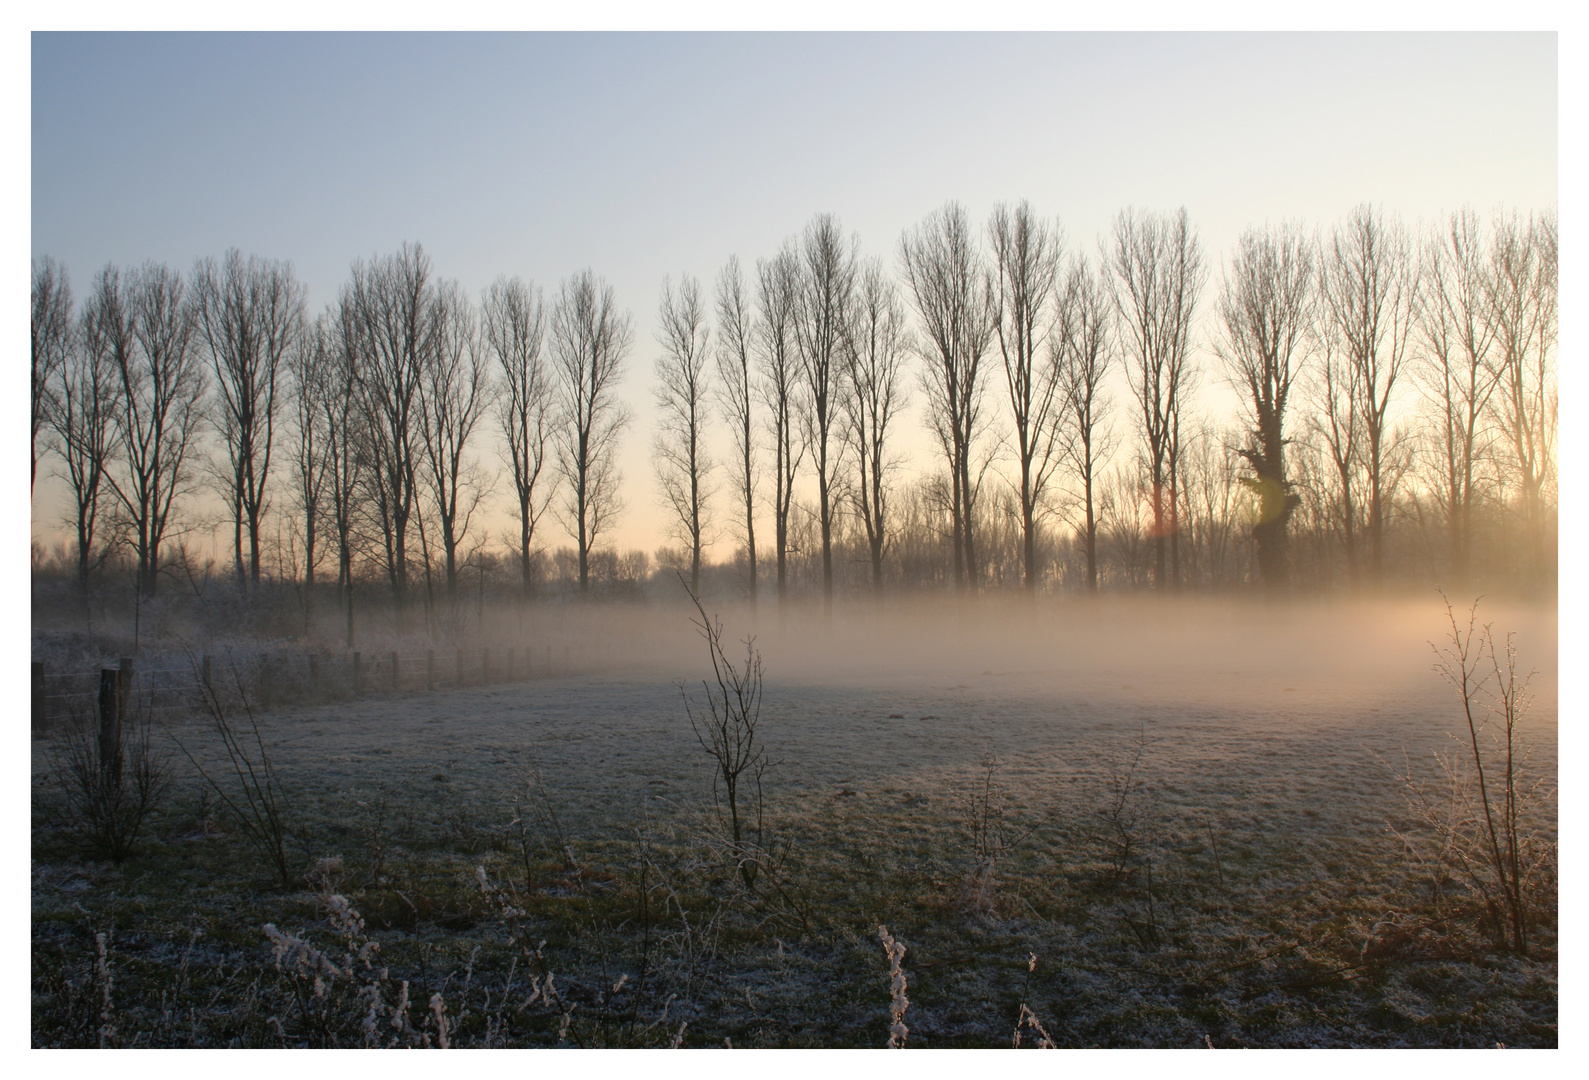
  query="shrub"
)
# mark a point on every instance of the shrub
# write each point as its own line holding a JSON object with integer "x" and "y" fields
{"x": 1479, "y": 824}
{"x": 109, "y": 787}
{"x": 255, "y": 796}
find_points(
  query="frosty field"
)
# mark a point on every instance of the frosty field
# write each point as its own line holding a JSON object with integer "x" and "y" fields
{"x": 1147, "y": 824}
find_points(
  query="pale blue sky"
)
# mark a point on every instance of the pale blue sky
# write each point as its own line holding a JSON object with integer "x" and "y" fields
{"x": 642, "y": 155}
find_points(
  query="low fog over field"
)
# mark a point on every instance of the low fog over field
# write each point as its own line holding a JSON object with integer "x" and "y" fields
{"x": 1222, "y": 647}
{"x": 1195, "y": 814}
{"x": 1291, "y": 699}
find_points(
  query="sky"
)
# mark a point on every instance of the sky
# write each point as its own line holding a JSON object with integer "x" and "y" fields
{"x": 644, "y": 155}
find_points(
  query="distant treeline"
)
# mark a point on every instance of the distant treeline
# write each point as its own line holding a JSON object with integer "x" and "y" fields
{"x": 1397, "y": 419}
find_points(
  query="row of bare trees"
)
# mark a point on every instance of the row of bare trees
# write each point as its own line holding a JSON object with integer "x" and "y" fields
{"x": 377, "y": 404}
{"x": 1388, "y": 378}
{"x": 118, "y": 393}
{"x": 403, "y": 374}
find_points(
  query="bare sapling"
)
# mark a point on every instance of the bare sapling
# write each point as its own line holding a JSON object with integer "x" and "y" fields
{"x": 532, "y": 804}
{"x": 993, "y": 831}
{"x": 1127, "y": 810}
{"x": 255, "y": 796}
{"x": 109, "y": 790}
{"x": 726, "y": 730}
{"x": 1483, "y": 830}
{"x": 1127, "y": 833}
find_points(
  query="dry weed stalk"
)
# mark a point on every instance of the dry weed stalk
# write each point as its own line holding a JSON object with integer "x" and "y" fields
{"x": 107, "y": 1011}
{"x": 513, "y": 917}
{"x": 600, "y": 1025}
{"x": 438, "y": 1009}
{"x": 316, "y": 977}
{"x": 897, "y": 1031}
{"x": 1027, "y": 1018}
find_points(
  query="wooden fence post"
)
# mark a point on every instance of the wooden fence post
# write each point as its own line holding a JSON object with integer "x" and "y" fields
{"x": 430, "y": 669}
{"x": 38, "y": 695}
{"x": 356, "y": 673}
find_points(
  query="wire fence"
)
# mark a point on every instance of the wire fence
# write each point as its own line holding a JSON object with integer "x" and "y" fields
{"x": 280, "y": 677}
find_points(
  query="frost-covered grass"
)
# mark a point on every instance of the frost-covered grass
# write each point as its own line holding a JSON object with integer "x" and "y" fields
{"x": 1196, "y": 846}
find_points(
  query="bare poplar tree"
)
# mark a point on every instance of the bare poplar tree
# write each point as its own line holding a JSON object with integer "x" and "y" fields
{"x": 1523, "y": 313}
{"x": 80, "y": 416}
{"x": 952, "y": 298}
{"x": 590, "y": 339}
{"x": 1267, "y": 308}
{"x": 385, "y": 314}
{"x": 52, "y": 340}
{"x": 822, "y": 312}
{"x": 736, "y": 322}
{"x": 347, "y": 440}
{"x": 682, "y": 463}
{"x": 454, "y": 391}
{"x": 514, "y": 332}
{"x": 1459, "y": 373}
{"x": 877, "y": 344}
{"x": 1211, "y": 517}
{"x": 160, "y": 388}
{"x": 249, "y": 314}
{"x": 1083, "y": 345}
{"x": 1157, "y": 264}
{"x": 1336, "y": 421}
{"x": 311, "y": 366}
{"x": 1026, "y": 258}
{"x": 778, "y": 284}
{"x": 1369, "y": 286}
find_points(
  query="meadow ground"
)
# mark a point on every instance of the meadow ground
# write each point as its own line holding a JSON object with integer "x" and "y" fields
{"x": 1132, "y": 824}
